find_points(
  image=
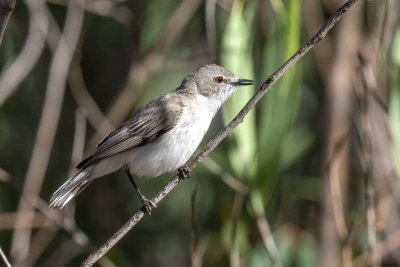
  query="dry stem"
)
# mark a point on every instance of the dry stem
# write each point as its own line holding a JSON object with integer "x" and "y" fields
{"x": 6, "y": 7}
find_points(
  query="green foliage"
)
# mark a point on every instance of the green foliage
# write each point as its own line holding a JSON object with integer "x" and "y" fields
{"x": 236, "y": 56}
{"x": 394, "y": 105}
{"x": 276, "y": 153}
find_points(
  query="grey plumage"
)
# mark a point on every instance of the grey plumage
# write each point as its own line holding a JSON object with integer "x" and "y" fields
{"x": 141, "y": 129}
{"x": 160, "y": 137}
{"x": 71, "y": 188}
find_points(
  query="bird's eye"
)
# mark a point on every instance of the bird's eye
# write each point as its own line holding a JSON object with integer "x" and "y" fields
{"x": 219, "y": 79}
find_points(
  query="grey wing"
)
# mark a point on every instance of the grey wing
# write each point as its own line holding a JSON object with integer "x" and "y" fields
{"x": 146, "y": 125}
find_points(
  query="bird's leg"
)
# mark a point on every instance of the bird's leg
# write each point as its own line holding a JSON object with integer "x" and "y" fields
{"x": 148, "y": 205}
{"x": 184, "y": 172}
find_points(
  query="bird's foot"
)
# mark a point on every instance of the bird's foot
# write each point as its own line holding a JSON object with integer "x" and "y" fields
{"x": 184, "y": 172}
{"x": 148, "y": 205}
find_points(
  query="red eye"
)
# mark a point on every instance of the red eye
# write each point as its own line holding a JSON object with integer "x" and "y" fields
{"x": 219, "y": 79}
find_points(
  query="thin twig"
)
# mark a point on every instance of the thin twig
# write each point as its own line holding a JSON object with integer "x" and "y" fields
{"x": 377, "y": 48}
{"x": 196, "y": 252}
{"x": 387, "y": 246}
{"x": 371, "y": 222}
{"x": 313, "y": 16}
{"x": 48, "y": 122}
{"x": 79, "y": 139}
{"x": 44, "y": 237}
{"x": 7, "y": 220}
{"x": 372, "y": 153}
{"x": 365, "y": 146}
{"x": 347, "y": 250}
{"x": 85, "y": 101}
{"x": 267, "y": 238}
{"x": 111, "y": 9}
{"x": 241, "y": 191}
{"x": 331, "y": 167}
{"x": 67, "y": 222}
{"x": 30, "y": 53}
{"x": 3, "y": 256}
{"x": 222, "y": 134}
{"x": 211, "y": 25}
{"x": 6, "y": 8}
{"x": 333, "y": 226}
{"x": 234, "y": 255}
{"x": 38, "y": 245}
{"x": 226, "y": 177}
{"x": 5, "y": 176}
{"x": 152, "y": 62}
{"x": 68, "y": 225}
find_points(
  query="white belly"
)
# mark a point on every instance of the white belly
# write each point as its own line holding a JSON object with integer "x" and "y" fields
{"x": 172, "y": 149}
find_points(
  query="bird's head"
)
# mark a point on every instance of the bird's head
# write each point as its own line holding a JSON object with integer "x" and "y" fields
{"x": 213, "y": 82}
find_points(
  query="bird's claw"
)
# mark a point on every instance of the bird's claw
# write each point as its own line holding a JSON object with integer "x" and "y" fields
{"x": 184, "y": 172}
{"x": 148, "y": 205}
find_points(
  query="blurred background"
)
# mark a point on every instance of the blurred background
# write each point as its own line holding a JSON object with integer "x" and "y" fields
{"x": 310, "y": 178}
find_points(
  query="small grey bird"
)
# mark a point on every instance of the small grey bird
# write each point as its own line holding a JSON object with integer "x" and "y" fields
{"x": 160, "y": 137}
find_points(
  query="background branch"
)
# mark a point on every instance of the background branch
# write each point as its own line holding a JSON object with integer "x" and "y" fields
{"x": 4, "y": 258}
{"x": 196, "y": 250}
{"x": 48, "y": 123}
{"x": 19, "y": 69}
{"x": 6, "y": 8}
{"x": 151, "y": 62}
{"x": 222, "y": 134}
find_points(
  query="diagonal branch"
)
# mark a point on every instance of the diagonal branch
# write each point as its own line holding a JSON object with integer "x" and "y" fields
{"x": 93, "y": 258}
{"x": 6, "y": 8}
{"x": 4, "y": 258}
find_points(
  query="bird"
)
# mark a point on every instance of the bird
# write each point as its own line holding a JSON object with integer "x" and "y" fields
{"x": 158, "y": 138}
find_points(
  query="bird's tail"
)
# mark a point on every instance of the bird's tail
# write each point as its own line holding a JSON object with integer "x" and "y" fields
{"x": 71, "y": 188}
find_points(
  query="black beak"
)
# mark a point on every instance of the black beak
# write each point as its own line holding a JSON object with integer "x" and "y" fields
{"x": 243, "y": 82}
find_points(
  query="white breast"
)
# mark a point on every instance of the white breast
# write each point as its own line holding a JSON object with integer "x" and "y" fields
{"x": 174, "y": 148}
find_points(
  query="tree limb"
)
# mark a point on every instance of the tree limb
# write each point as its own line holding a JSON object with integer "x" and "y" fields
{"x": 223, "y": 133}
{"x": 4, "y": 258}
{"x": 6, "y": 8}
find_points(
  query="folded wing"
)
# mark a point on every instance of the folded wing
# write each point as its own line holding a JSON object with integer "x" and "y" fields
{"x": 147, "y": 125}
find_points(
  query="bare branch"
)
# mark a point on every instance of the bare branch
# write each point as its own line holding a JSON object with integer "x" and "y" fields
{"x": 385, "y": 247}
{"x": 152, "y": 62}
{"x": 112, "y": 9}
{"x": 323, "y": 53}
{"x": 38, "y": 220}
{"x": 226, "y": 177}
{"x": 211, "y": 25}
{"x": 234, "y": 255}
{"x": 6, "y": 8}
{"x": 3, "y": 256}
{"x": 85, "y": 101}
{"x": 93, "y": 258}
{"x": 30, "y": 53}
{"x": 48, "y": 122}
{"x": 266, "y": 235}
{"x": 4, "y": 175}
{"x": 49, "y": 217}
{"x": 79, "y": 139}
{"x": 196, "y": 255}
{"x": 333, "y": 227}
